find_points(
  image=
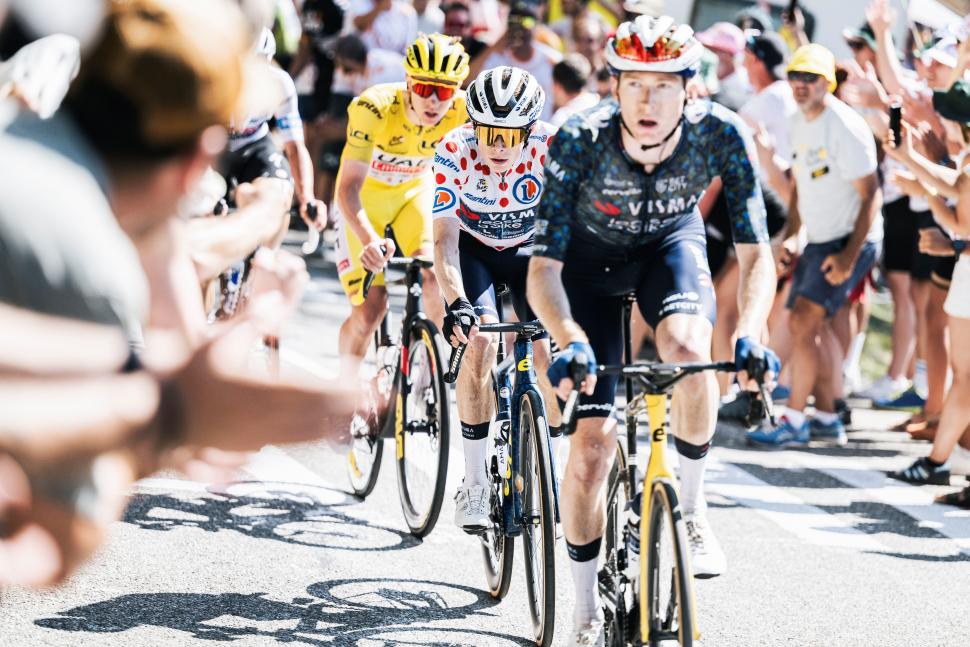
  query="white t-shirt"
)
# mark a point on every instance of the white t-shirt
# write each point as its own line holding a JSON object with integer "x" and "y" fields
{"x": 497, "y": 210}
{"x": 539, "y": 66}
{"x": 773, "y": 107}
{"x": 580, "y": 102}
{"x": 828, "y": 153}
{"x": 432, "y": 20}
{"x": 383, "y": 66}
{"x": 393, "y": 29}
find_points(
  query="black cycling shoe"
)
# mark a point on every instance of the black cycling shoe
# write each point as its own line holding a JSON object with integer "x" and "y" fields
{"x": 923, "y": 472}
{"x": 737, "y": 409}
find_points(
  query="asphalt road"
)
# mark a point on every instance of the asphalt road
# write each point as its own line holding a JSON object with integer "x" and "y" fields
{"x": 822, "y": 550}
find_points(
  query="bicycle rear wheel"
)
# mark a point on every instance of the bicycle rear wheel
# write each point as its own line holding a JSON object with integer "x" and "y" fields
{"x": 669, "y": 599}
{"x": 539, "y": 519}
{"x": 422, "y": 441}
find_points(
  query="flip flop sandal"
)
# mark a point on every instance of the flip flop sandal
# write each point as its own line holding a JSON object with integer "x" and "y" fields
{"x": 923, "y": 431}
{"x": 960, "y": 499}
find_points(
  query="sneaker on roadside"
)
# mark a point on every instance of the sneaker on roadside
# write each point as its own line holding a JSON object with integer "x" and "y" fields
{"x": 781, "y": 393}
{"x": 706, "y": 556}
{"x": 785, "y": 434}
{"x": 959, "y": 461}
{"x": 884, "y": 389}
{"x": 471, "y": 508}
{"x": 923, "y": 472}
{"x": 829, "y": 431}
{"x": 908, "y": 399}
{"x": 592, "y": 634}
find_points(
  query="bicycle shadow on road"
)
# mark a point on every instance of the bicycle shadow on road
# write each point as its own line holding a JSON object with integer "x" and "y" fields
{"x": 290, "y": 513}
{"x": 340, "y": 612}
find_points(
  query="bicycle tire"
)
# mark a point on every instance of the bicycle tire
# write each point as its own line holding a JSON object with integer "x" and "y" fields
{"x": 616, "y": 611}
{"x": 666, "y": 525}
{"x": 498, "y": 549}
{"x": 541, "y": 581}
{"x": 421, "y": 514}
{"x": 365, "y": 454}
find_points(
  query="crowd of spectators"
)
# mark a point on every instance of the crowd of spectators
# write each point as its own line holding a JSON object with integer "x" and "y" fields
{"x": 100, "y": 271}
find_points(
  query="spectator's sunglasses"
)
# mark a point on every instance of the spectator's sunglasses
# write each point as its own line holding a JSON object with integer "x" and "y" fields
{"x": 525, "y": 22}
{"x": 511, "y": 137}
{"x": 803, "y": 77}
{"x": 425, "y": 90}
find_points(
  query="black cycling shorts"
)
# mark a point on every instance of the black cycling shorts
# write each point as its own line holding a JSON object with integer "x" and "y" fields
{"x": 484, "y": 267}
{"x": 720, "y": 241}
{"x": 900, "y": 247}
{"x": 260, "y": 158}
{"x": 669, "y": 276}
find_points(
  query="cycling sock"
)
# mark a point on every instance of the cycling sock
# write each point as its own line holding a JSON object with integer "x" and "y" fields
{"x": 693, "y": 459}
{"x": 583, "y": 562}
{"x": 851, "y": 363}
{"x": 555, "y": 446}
{"x": 795, "y": 417}
{"x": 826, "y": 417}
{"x": 474, "y": 442}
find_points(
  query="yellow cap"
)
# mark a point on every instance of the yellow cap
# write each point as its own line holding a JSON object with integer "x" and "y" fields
{"x": 814, "y": 59}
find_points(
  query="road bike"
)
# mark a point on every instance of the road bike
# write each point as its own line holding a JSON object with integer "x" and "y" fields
{"x": 522, "y": 480}
{"x": 409, "y": 403}
{"x": 646, "y": 583}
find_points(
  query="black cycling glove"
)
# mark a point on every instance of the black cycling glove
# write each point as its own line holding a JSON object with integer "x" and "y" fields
{"x": 461, "y": 313}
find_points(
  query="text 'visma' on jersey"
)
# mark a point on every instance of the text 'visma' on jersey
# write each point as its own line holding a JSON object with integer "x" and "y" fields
{"x": 380, "y": 134}
{"x": 498, "y": 210}
{"x": 598, "y": 202}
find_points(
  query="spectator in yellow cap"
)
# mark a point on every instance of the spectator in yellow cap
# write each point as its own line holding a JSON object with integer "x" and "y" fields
{"x": 813, "y": 59}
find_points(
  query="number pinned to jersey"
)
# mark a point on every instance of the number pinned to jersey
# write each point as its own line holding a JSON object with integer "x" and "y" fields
{"x": 527, "y": 189}
{"x": 443, "y": 199}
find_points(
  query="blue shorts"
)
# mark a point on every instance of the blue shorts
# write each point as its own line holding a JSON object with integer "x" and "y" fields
{"x": 483, "y": 267}
{"x": 809, "y": 282}
{"x": 669, "y": 276}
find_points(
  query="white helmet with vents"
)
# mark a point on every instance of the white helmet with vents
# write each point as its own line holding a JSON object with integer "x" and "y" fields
{"x": 650, "y": 44}
{"x": 506, "y": 97}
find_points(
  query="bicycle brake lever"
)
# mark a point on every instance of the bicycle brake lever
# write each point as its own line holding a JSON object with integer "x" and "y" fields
{"x": 454, "y": 364}
{"x": 369, "y": 277}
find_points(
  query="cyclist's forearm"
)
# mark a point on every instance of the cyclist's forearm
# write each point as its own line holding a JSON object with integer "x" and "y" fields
{"x": 548, "y": 299}
{"x": 348, "y": 196}
{"x": 756, "y": 289}
{"x": 446, "y": 262}
{"x": 302, "y": 165}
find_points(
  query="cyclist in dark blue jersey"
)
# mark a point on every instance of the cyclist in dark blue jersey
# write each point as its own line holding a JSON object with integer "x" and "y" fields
{"x": 618, "y": 215}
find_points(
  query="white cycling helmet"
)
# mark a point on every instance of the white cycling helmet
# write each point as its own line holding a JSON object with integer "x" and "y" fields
{"x": 650, "y": 44}
{"x": 505, "y": 97}
{"x": 265, "y": 44}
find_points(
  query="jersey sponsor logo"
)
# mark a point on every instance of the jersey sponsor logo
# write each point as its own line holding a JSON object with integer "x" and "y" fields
{"x": 396, "y": 140}
{"x": 671, "y": 184}
{"x": 527, "y": 189}
{"x": 609, "y": 208}
{"x": 498, "y": 225}
{"x": 622, "y": 192}
{"x": 343, "y": 266}
{"x": 488, "y": 202}
{"x": 443, "y": 199}
{"x": 360, "y": 134}
{"x": 482, "y": 185}
{"x": 424, "y": 143}
{"x": 370, "y": 107}
{"x": 385, "y": 163}
{"x": 447, "y": 163}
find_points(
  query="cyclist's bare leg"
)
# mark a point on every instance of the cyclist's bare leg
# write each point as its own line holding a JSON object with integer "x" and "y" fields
{"x": 357, "y": 330}
{"x": 542, "y": 356}
{"x": 476, "y": 403}
{"x": 592, "y": 449}
{"x": 687, "y": 338}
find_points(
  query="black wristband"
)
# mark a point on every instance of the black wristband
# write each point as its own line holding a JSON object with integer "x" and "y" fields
{"x": 461, "y": 303}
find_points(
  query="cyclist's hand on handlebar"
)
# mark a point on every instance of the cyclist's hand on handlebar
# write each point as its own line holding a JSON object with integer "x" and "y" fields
{"x": 376, "y": 254}
{"x": 576, "y": 361}
{"x": 461, "y": 322}
{"x": 756, "y": 364}
{"x": 320, "y": 221}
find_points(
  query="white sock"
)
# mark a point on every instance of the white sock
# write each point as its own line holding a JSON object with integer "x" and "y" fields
{"x": 475, "y": 452}
{"x": 587, "y": 592}
{"x": 919, "y": 378}
{"x": 692, "y": 485}
{"x": 797, "y": 418}
{"x": 826, "y": 417}
{"x": 851, "y": 364}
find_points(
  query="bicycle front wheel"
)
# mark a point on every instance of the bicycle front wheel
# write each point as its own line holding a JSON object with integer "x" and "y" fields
{"x": 668, "y": 597}
{"x": 366, "y": 445}
{"x": 421, "y": 439}
{"x": 539, "y": 519}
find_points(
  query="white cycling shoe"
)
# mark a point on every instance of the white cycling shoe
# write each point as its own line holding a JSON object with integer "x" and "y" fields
{"x": 588, "y": 635}
{"x": 471, "y": 508}
{"x": 706, "y": 555}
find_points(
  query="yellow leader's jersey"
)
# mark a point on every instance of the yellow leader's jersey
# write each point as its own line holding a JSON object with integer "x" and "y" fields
{"x": 380, "y": 134}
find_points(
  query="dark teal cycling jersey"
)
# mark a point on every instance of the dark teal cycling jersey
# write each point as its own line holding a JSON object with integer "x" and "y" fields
{"x": 600, "y": 203}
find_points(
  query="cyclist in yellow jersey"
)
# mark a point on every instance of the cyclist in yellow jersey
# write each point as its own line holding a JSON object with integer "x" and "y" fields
{"x": 385, "y": 178}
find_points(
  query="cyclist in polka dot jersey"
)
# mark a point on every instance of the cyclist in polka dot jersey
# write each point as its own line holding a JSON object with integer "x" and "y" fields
{"x": 489, "y": 178}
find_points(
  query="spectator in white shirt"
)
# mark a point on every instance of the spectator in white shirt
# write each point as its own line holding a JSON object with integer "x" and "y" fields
{"x": 431, "y": 20}
{"x": 570, "y": 76}
{"x": 383, "y": 24}
{"x": 772, "y": 106}
{"x": 517, "y": 48}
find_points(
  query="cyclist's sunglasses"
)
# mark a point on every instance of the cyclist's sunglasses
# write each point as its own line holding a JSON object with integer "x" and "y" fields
{"x": 425, "y": 90}
{"x": 511, "y": 137}
{"x": 803, "y": 77}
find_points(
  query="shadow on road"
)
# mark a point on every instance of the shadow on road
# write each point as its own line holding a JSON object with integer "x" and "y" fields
{"x": 296, "y": 514}
{"x": 339, "y": 612}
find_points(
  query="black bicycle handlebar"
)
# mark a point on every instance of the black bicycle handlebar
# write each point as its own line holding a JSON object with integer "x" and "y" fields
{"x": 458, "y": 352}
